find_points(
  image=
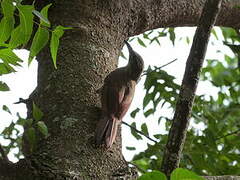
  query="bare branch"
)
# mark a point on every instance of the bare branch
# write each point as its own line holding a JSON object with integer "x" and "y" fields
{"x": 139, "y": 132}
{"x": 145, "y": 73}
{"x": 229, "y": 134}
{"x": 167, "y": 63}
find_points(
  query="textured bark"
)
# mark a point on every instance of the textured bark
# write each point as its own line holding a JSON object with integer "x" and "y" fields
{"x": 68, "y": 97}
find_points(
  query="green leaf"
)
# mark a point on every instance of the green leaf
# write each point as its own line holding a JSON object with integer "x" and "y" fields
{"x": 157, "y": 136}
{"x": 31, "y": 137}
{"x": 3, "y": 86}
{"x": 22, "y": 121}
{"x": 8, "y": 130}
{"x": 183, "y": 174}
{"x": 154, "y": 175}
{"x": 5, "y": 69}
{"x": 16, "y": 38}
{"x": 141, "y": 42}
{"x": 148, "y": 112}
{"x": 122, "y": 55}
{"x": 147, "y": 98}
{"x": 133, "y": 113}
{"x": 44, "y": 16}
{"x": 144, "y": 129}
{"x": 39, "y": 41}
{"x": 37, "y": 113}
{"x": 228, "y": 33}
{"x": 9, "y": 57}
{"x": 187, "y": 40}
{"x": 142, "y": 163}
{"x": 162, "y": 34}
{"x": 42, "y": 128}
{"x": 130, "y": 148}
{"x": 42, "y": 35}
{"x": 5, "y": 108}
{"x": 7, "y": 22}
{"x": 6, "y": 27}
{"x": 158, "y": 42}
{"x": 134, "y": 133}
{"x": 26, "y": 20}
{"x": 172, "y": 35}
{"x": 7, "y": 8}
{"x": 145, "y": 36}
{"x": 214, "y": 33}
{"x": 56, "y": 35}
{"x": 22, "y": 33}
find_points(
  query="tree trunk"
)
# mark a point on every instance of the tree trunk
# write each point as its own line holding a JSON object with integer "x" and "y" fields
{"x": 67, "y": 95}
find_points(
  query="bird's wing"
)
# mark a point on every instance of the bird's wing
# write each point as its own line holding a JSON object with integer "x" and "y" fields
{"x": 112, "y": 97}
{"x": 127, "y": 99}
{"x": 107, "y": 126}
{"x": 119, "y": 99}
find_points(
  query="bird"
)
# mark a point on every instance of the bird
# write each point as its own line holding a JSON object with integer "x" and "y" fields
{"x": 117, "y": 94}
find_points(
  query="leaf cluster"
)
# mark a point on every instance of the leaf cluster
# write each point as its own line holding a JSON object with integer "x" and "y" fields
{"x": 35, "y": 129}
{"x": 214, "y": 150}
{"x": 177, "y": 174}
{"x": 16, "y": 31}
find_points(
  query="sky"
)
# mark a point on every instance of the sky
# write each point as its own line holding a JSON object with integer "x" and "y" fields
{"x": 24, "y": 81}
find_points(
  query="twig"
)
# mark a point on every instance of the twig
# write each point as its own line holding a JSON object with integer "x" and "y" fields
{"x": 139, "y": 132}
{"x": 3, "y": 154}
{"x": 229, "y": 134}
{"x": 167, "y": 63}
{"x": 145, "y": 73}
{"x": 21, "y": 100}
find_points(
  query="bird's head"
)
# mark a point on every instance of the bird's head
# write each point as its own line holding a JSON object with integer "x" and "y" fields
{"x": 135, "y": 63}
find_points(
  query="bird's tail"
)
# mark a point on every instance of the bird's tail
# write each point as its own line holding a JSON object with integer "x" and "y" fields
{"x": 106, "y": 131}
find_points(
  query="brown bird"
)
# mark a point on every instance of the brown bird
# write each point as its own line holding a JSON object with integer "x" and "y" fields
{"x": 116, "y": 96}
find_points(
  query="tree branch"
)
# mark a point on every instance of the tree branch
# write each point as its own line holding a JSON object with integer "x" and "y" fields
{"x": 177, "y": 134}
{"x": 229, "y": 134}
{"x": 148, "y": 15}
{"x": 139, "y": 132}
{"x": 146, "y": 72}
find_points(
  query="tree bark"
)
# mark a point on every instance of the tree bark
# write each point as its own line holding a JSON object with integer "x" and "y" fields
{"x": 67, "y": 96}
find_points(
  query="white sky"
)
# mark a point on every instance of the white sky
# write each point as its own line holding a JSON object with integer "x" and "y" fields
{"x": 23, "y": 82}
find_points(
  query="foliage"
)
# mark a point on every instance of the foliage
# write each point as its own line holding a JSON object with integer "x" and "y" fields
{"x": 32, "y": 126}
{"x": 155, "y": 35}
{"x": 177, "y": 174}
{"x": 214, "y": 150}
{"x": 16, "y": 31}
